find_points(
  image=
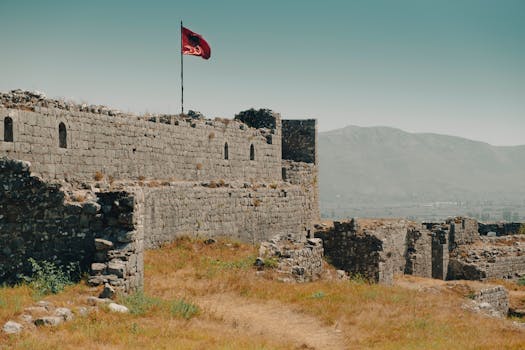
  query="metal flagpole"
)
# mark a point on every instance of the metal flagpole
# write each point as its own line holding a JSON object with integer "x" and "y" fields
{"x": 181, "y": 74}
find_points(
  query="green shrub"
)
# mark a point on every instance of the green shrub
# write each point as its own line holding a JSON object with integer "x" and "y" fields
{"x": 139, "y": 303}
{"x": 521, "y": 231}
{"x": 49, "y": 278}
{"x": 183, "y": 309}
{"x": 318, "y": 295}
{"x": 521, "y": 281}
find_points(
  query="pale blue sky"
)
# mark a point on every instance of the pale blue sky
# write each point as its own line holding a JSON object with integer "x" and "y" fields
{"x": 451, "y": 66}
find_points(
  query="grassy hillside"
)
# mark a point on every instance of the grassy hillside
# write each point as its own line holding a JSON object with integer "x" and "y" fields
{"x": 384, "y": 166}
{"x": 242, "y": 309}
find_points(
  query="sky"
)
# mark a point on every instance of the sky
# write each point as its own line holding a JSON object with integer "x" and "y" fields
{"x": 453, "y": 67}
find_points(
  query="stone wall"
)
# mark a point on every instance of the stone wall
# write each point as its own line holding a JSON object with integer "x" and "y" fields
{"x": 500, "y": 228}
{"x": 306, "y": 176}
{"x": 37, "y": 222}
{"x": 128, "y": 147}
{"x": 250, "y": 212}
{"x": 419, "y": 252}
{"x": 495, "y": 296}
{"x": 119, "y": 257}
{"x": 489, "y": 258}
{"x": 463, "y": 230}
{"x": 299, "y": 260}
{"x": 374, "y": 249}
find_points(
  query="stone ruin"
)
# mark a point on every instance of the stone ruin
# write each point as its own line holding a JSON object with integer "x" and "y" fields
{"x": 90, "y": 185}
{"x": 378, "y": 249}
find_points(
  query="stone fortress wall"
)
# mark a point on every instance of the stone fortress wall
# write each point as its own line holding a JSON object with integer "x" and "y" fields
{"x": 130, "y": 147}
{"x": 147, "y": 181}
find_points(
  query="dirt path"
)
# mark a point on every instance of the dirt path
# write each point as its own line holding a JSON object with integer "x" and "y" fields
{"x": 273, "y": 319}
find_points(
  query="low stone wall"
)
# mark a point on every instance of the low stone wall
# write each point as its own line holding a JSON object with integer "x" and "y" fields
{"x": 497, "y": 297}
{"x": 489, "y": 258}
{"x": 297, "y": 260}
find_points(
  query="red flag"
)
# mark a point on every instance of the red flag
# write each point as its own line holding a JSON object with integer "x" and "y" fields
{"x": 194, "y": 44}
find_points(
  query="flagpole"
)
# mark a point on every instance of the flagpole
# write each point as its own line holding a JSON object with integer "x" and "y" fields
{"x": 181, "y": 74}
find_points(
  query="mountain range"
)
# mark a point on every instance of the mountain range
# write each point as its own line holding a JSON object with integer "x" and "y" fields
{"x": 382, "y": 166}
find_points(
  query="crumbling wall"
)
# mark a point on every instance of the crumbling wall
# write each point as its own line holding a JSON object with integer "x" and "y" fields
{"x": 489, "y": 258}
{"x": 374, "y": 249}
{"x": 36, "y": 222}
{"x": 500, "y": 228}
{"x": 463, "y": 230}
{"x": 101, "y": 234}
{"x": 300, "y": 260}
{"x": 250, "y": 212}
{"x": 119, "y": 257}
{"x": 495, "y": 296}
{"x": 419, "y": 252}
{"x": 122, "y": 146}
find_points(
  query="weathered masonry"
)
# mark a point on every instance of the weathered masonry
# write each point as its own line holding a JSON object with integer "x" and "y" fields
{"x": 94, "y": 186}
{"x": 458, "y": 248}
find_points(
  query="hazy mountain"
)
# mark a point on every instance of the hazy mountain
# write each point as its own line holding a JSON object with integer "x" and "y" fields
{"x": 376, "y": 166}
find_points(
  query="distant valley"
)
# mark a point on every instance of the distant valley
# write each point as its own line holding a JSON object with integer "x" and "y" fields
{"x": 386, "y": 172}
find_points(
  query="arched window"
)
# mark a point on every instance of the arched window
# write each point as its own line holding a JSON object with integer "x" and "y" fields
{"x": 62, "y": 135}
{"x": 8, "y": 129}
{"x": 252, "y": 152}
{"x": 226, "y": 156}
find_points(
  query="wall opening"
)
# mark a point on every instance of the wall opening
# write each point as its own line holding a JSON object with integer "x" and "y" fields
{"x": 252, "y": 152}
{"x": 62, "y": 135}
{"x": 226, "y": 156}
{"x": 8, "y": 129}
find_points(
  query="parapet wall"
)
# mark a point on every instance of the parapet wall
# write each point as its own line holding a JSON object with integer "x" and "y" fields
{"x": 130, "y": 147}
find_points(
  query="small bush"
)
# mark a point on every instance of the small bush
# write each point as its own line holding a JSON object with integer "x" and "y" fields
{"x": 48, "y": 278}
{"x": 521, "y": 231}
{"x": 139, "y": 303}
{"x": 521, "y": 281}
{"x": 183, "y": 309}
{"x": 271, "y": 263}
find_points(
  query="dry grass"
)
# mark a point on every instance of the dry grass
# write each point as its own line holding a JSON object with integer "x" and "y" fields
{"x": 98, "y": 176}
{"x": 367, "y": 316}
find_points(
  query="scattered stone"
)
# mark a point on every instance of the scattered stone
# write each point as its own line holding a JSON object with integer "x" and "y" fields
{"x": 65, "y": 313}
{"x": 118, "y": 308}
{"x": 49, "y": 321}
{"x": 11, "y": 327}
{"x": 94, "y": 301}
{"x": 36, "y": 310}
{"x": 108, "y": 292}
